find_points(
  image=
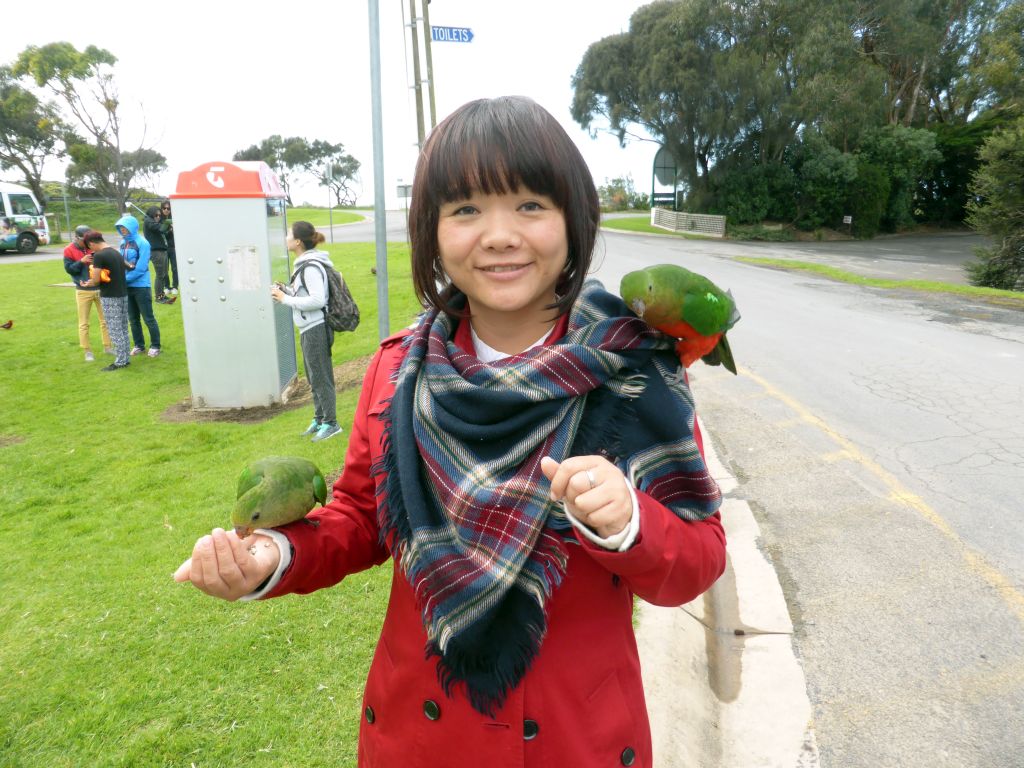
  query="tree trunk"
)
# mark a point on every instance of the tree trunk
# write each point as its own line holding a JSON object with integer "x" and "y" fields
{"x": 916, "y": 93}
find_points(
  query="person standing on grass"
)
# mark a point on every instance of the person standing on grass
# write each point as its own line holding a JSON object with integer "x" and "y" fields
{"x": 77, "y": 260}
{"x": 307, "y": 297}
{"x": 167, "y": 225}
{"x": 152, "y": 226}
{"x": 108, "y": 276}
{"x": 528, "y": 460}
{"x": 135, "y": 252}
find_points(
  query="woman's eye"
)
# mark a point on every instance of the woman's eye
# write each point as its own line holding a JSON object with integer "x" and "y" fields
{"x": 532, "y": 205}
{"x": 464, "y": 210}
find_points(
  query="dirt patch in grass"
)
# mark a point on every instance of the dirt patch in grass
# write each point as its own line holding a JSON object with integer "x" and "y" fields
{"x": 6, "y": 440}
{"x": 348, "y": 375}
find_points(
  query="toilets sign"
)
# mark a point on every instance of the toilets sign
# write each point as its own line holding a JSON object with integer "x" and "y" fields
{"x": 451, "y": 34}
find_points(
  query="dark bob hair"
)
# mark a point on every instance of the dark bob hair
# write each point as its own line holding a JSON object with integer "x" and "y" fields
{"x": 497, "y": 146}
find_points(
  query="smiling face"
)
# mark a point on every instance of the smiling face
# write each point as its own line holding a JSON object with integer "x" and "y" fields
{"x": 487, "y": 149}
{"x": 506, "y": 252}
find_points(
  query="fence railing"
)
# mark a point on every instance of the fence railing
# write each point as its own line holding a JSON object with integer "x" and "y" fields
{"x": 680, "y": 221}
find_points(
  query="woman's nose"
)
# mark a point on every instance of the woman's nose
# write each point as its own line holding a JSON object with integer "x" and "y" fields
{"x": 500, "y": 231}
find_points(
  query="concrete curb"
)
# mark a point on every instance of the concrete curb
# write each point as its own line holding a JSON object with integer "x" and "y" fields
{"x": 723, "y": 684}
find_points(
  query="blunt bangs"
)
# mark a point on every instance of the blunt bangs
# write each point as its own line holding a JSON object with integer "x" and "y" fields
{"x": 499, "y": 146}
{"x": 497, "y": 150}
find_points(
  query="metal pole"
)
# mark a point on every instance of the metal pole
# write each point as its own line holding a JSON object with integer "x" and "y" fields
{"x": 330, "y": 199}
{"x": 416, "y": 74}
{"x": 67, "y": 215}
{"x": 428, "y": 36}
{"x": 379, "y": 214}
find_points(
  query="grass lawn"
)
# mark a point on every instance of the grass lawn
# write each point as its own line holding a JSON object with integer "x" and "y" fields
{"x": 105, "y": 660}
{"x": 643, "y": 224}
{"x": 994, "y": 295}
{"x": 322, "y": 217}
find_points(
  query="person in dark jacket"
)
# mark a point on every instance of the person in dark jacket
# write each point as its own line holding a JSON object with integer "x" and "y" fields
{"x": 77, "y": 259}
{"x": 167, "y": 225}
{"x": 154, "y": 231}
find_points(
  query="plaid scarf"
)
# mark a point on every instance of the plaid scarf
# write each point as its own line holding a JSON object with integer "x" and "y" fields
{"x": 464, "y": 506}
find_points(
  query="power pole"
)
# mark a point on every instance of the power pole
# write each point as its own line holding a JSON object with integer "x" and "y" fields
{"x": 428, "y": 37}
{"x": 379, "y": 213}
{"x": 420, "y": 133}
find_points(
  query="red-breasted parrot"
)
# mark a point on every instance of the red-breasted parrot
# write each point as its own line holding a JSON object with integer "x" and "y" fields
{"x": 275, "y": 491}
{"x": 687, "y": 306}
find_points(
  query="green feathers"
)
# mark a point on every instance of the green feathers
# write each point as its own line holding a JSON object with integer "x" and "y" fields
{"x": 686, "y": 306}
{"x": 667, "y": 294}
{"x": 275, "y": 491}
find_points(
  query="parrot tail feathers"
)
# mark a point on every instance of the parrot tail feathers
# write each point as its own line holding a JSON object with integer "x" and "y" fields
{"x": 721, "y": 355}
{"x": 734, "y": 316}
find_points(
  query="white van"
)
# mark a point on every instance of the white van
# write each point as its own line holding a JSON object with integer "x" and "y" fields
{"x": 23, "y": 226}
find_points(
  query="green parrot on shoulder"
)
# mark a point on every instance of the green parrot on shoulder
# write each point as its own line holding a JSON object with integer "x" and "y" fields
{"x": 686, "y": 306}
{"x": 275, "y": 491}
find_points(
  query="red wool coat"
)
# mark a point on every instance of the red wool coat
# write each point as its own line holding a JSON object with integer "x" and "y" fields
{"x": 581, "y": 704}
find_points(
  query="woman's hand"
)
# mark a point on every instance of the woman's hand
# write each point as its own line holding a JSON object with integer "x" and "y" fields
{"x": 276, "y": 293}
{"x": 228, "y": 567}
{"x": 594, "y": 490}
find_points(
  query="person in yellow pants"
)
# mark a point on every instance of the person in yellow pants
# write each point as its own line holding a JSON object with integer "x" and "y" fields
{"x": 77, "y": 260}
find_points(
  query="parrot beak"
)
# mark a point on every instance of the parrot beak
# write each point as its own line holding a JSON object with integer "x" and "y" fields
{"x": 243, "y": 531}
{"x": 638, "y": 307}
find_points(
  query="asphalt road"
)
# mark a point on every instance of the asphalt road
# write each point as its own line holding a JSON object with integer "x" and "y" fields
{"x": 879, "y": 438}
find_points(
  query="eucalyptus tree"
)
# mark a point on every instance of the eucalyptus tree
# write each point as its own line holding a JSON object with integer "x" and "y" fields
{"x": 83, "y": 81}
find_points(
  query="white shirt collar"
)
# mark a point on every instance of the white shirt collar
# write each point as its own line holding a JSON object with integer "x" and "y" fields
{"x": 487, "y": 354}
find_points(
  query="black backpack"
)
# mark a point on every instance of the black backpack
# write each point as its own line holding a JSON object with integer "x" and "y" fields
{"x": 341, "y": 311}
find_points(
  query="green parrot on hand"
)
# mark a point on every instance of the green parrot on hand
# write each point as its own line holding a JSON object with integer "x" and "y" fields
{"x": 275, "y": 491}
{"x": 686, "y": 306}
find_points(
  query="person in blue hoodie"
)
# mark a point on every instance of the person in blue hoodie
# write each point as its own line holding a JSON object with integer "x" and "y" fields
{"x": 135, "y": 252}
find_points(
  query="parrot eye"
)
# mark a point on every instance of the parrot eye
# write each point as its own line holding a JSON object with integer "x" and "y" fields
{"x": 255, "y": 515}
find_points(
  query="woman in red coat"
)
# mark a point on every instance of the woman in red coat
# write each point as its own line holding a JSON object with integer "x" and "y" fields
{"x": 528, "y": 460}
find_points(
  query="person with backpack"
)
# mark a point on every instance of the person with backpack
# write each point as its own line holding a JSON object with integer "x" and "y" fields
{"x": 307, "y": 295}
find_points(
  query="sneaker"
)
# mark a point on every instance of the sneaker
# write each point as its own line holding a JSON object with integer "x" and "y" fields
{"x": 154, "y": 352}
{"x": 325, "y": 431}
{"x": 314, "y": 425}
{"x": 136, "y": 351}
{"x": 88, "y": 356}
{"x": 115, "y": 367}
{"x": 162, "y": 300}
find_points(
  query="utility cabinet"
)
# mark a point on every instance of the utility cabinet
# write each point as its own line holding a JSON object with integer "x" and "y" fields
{"x": 229, "y": 236}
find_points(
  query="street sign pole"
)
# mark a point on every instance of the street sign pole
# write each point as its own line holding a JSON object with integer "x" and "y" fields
{"x": 420, "y": 132}
{"x": 427, "y": 35}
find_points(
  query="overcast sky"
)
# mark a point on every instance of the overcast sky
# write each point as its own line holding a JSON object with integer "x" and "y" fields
{"x": 205, "y": 79}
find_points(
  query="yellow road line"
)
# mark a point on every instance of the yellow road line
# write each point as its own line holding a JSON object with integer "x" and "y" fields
{"x": 1010, "y": 594}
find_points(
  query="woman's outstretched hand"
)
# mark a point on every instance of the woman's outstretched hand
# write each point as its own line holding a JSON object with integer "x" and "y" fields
{"x": 228, "y": 567}
{"x": 594, "y": 490}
